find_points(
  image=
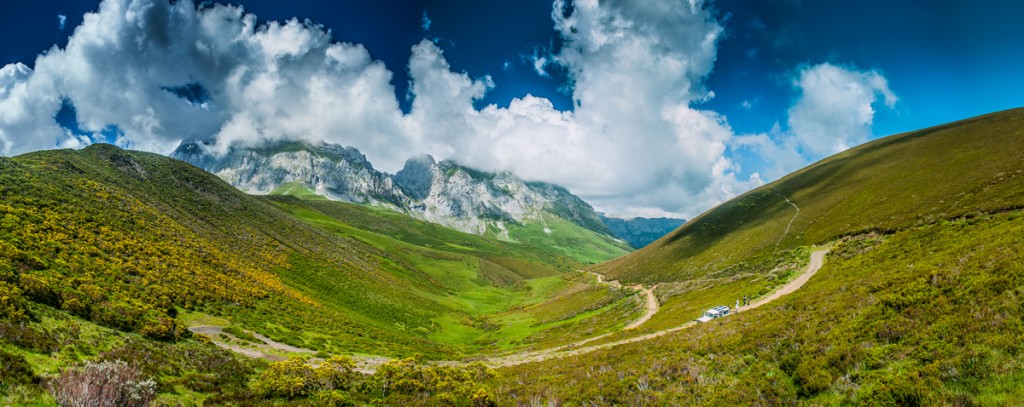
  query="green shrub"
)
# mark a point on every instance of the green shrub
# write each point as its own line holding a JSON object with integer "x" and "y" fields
{"x": 15, "y": 371}
{"x": 293, "y": 378}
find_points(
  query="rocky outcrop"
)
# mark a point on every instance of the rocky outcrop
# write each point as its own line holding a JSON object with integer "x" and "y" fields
{"x": 441, "y": 192}
{"x": 340, "y": 173}
{"x": 416, "y": 177}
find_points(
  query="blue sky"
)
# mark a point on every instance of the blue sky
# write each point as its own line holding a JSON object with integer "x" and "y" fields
{"x": 757, "y": 86}
{"x": 946, "y": 59}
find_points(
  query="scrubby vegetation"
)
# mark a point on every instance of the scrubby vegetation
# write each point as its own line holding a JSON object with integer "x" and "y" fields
{"x": 398, "y": 382}
{"x": 37, "y": 353}
{"x": 105, "y": 384}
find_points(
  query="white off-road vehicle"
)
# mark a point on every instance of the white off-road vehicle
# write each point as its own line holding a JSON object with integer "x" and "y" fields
{"x": 716, "y": 312}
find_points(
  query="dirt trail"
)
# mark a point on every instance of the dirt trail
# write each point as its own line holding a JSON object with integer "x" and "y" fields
{"x": 260, "y": 352}
{"x": 650, "y": 304}
{"x": 817, "y": 260}
{"x": 790, "y": 224}
{"x": 364, "y": 364}
{"x": 368, "y": 365}
{"x": 214, "y": 332}
{"x": 267, "y": 342}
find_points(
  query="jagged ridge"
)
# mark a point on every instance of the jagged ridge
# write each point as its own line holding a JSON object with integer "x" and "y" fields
{"x": 441, "y": 192}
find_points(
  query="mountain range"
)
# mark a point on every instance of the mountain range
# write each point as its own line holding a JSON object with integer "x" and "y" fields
{"x": 491, "y": 204}
{"x": 638, "y": 231}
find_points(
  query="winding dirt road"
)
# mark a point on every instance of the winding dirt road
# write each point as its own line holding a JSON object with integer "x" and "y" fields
{"x": 368, "y": 365}
{"x": 817, "y": 260}
{"x": 364, "y": 364}
{"x": 261, "y": 351}
{"x": 651, "y": 304}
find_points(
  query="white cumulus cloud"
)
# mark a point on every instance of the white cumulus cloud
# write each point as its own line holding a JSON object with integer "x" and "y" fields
{"x": 634, "y": 144}
{"x": 272, "y": 81}
{"x": 836, "y": 107}
{"x": 833, "y": 112}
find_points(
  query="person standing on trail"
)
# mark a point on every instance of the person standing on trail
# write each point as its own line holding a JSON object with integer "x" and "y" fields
{"x": 746, "y": 300}
{"x": 737, "y": 304}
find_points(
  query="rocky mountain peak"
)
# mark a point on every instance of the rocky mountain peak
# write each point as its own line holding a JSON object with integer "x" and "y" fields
{"x": 443, "y": 192}
{"x": 417, "y": 176}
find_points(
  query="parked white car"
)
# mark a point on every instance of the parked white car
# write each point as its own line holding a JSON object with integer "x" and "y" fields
{"x": 716, "y": 312}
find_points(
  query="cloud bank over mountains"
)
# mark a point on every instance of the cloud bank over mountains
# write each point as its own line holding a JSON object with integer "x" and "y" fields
{"x": 152, "y": 73}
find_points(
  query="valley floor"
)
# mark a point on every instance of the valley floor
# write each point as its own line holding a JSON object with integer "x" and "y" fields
{"x": 270, "y": 350}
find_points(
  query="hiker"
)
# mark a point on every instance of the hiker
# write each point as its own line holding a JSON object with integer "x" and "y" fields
{"x": 746, "y": 301}
{"x": 737, "y": 304}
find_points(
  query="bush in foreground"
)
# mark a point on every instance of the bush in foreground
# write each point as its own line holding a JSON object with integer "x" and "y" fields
{"x": 101, "y": 385}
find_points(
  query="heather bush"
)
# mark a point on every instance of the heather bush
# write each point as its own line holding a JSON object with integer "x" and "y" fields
{"x": 103, "y": 384}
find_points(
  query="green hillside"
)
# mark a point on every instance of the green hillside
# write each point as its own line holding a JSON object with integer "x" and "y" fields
{"x": 751, "y": 243}
{"x": 944, "y": 172}
{"x": 556, "y": 234}
{"x": 963, "y": 168}
{"x": 930, "y": 315}
{"x": 918, "y": 303}
{"x": 109, "y": 254}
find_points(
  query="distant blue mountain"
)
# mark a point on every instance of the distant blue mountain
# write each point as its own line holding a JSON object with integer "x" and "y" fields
{"x": 640, "y": 232}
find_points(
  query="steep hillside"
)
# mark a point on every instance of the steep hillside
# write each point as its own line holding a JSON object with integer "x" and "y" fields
{"x": 917, "y": 304}
{"x": 131, "y": 240}
{"x": 930, "y": 315}
{"x": 944, "y": 172}
{"x": 492, "y": 204}
{"x": 125, "y": 250}
{"x": 640, "y": 232}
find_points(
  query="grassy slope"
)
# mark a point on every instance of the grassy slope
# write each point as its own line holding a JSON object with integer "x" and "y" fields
{"x": 569, "y": 239}
{"x": 920, "y": 307}
{"x": 742, "y": 248}
{"x": 927, "y": 316}
{"x": 122, "y": 238}
{"x": 131, "y": 244}
{"x": 975, "y": 165}
{"x": 500, "y": 294}
{"x": 297, "y": 190}
{"x": 563, "y": 238}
